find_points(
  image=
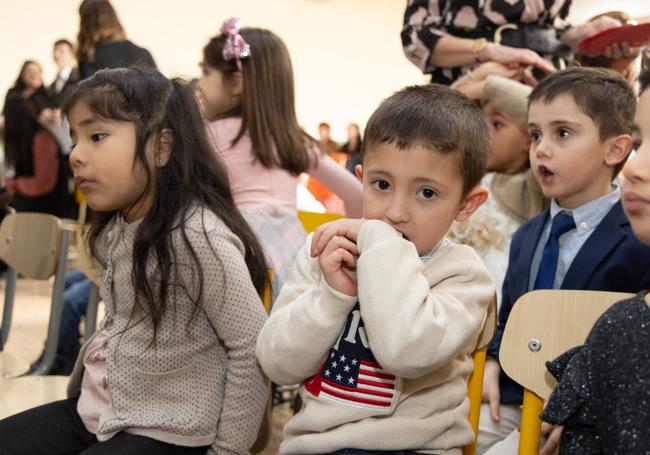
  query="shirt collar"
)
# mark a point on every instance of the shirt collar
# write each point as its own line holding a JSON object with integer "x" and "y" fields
{"x": 589, "y": 215}
{"x": 65, "y": 73}
{"x": 442, "y": 244}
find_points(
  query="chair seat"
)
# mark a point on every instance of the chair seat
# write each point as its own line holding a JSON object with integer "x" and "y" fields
{"x": 20, "y": 394}
{"x": 11, "y": 365}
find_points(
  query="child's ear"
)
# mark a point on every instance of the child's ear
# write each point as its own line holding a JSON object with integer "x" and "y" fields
{"x": 358, "y": 171}
{"x": 619, "y": 148}
{"x": 237, "y": 84}
{"x": 471, "y": 202}
{"x": 164, "y": 148}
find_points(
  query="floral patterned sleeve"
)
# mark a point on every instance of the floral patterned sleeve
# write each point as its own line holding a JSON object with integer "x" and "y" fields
{"x": 426, "y": 21}
{"x": 421, "y": 31}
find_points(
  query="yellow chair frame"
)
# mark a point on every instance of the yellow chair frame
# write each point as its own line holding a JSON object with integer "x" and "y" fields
{"x": 311, "y": 220}
{"x": 475, "y": 384}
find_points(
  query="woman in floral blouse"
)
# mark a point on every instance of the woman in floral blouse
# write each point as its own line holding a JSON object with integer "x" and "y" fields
{"x": 446, "y": 38}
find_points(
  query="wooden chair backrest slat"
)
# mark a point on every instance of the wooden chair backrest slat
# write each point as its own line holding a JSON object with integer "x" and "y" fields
{"x": 30, "y": 242}
{"x": 555, "y": 320}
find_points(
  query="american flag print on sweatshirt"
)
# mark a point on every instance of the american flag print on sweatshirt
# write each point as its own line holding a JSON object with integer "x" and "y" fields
{"x": 351, "y": 375}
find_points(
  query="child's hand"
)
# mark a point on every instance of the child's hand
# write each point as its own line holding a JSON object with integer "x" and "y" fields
{"x": 553, "y": 434}
{"x": 347, "y": 227}
{"x": 338, "y": 263}
{"x": 481, "y": 72}
{"x": 491, "y": 394}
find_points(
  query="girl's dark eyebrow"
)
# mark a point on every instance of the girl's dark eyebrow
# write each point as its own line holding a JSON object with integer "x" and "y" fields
{"x": 88, "y": 121}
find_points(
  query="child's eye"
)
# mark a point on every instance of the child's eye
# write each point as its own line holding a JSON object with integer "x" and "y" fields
{"x": 96, "y": 137}
{"x": 563, "y": 133}
{"x": 426, "y": 193}
{"x": 381, "y": 185}
{"x": 535, "y": 136}
{"x": 636, "y": 145}
{"x": 497, "y": 125}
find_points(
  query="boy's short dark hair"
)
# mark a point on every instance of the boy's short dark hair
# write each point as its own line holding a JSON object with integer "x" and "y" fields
{"x": 436, "y": 117}
{"x": 601, "y": 94}
{"x": 63, "y": 42}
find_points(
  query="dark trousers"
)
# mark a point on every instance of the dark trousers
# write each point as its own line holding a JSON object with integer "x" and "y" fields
{"x": 57, "y": 429}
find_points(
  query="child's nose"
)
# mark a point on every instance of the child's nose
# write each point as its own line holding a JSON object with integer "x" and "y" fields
{"x": 76, "y": 158}
{"x": 542, "y": 149}
{"x": 397, "y": 213}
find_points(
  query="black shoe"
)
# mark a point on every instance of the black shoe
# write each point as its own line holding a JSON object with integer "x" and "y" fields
{"x": 59, "y": 368}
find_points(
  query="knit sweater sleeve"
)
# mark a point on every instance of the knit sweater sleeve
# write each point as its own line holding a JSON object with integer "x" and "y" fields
{"x": 306, "y": 320}
{"x": 418, "y": 317}
{"x": 237, "y": 315}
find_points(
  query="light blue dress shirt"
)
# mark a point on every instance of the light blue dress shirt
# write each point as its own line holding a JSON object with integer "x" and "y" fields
{"x": 444, "y": 243}
{"x": 587, "y": 218}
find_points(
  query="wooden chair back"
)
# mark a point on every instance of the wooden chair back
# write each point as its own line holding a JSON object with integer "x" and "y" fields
{"x": 30, "y": 243}
{"x": 542, "y": 325}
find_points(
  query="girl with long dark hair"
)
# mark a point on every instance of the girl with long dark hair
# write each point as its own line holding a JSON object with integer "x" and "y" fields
{"x": 172, "y": 368}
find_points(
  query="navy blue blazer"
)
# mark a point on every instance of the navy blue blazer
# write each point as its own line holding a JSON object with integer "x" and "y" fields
{"x": 611, "y": 259}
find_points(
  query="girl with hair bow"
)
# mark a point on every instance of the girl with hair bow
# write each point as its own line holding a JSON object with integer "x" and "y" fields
{"x": 248, "y": 99}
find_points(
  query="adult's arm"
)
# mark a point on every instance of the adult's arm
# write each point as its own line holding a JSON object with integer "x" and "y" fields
{"x": 426, "y": 44}
{"x": 46, "y": 168}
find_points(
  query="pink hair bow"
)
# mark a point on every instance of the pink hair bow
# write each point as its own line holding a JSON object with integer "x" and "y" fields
{"x": 235, "y": 46}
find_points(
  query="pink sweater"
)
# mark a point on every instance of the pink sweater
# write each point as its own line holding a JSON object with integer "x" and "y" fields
{"x": 273, "y": 191}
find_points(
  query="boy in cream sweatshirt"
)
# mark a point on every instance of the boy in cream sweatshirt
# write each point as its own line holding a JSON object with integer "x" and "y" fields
{"x": 379, "y": 316}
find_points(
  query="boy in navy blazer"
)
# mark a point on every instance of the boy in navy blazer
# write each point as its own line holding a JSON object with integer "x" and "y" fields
{"x": 580, "y": 121}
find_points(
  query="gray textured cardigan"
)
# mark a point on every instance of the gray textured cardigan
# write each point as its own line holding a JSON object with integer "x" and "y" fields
{"x": 201, "y": 384}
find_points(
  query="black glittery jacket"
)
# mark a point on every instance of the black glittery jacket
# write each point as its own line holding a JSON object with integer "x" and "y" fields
{"x": 603, "y": 394}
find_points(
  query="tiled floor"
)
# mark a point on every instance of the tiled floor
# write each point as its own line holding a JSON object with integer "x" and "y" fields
{"x": 29, "y": 329}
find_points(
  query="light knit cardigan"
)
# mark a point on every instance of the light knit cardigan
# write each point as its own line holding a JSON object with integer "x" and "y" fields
{"x": 422, "y": 323}
{"x": 201, "y": 384}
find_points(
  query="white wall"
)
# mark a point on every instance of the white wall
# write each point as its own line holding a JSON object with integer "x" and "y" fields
{"x": 346, "y": 54}
{"x": 582, "y": 10}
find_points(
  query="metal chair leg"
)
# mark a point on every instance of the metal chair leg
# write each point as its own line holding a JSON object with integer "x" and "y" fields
{"x": 54, "y": 327}
{"x": 7, "y": 312}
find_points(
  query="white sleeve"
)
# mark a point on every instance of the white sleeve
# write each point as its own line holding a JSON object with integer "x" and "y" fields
{"x": 304, "y": 324}
{"x": 414, "y": 327}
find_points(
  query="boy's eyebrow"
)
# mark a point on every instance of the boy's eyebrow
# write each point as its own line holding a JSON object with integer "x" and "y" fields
{"x": 635, "y": 128}
{"x": 564, "y": 122}
{"x": 416, "y": 180}
{"x": 428, "y": 180}
{"x": 555, "y": 123}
